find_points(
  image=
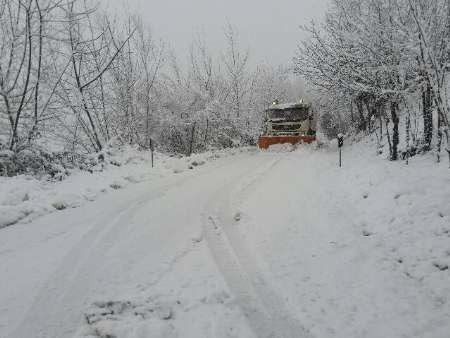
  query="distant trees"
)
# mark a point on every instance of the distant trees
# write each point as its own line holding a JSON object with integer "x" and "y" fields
{"x": 384, "y": 58}
{"x": 221, "y": 94}
{"x": 73, "y": 79}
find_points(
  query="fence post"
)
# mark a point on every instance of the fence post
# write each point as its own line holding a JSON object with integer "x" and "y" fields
{"x": 192, "y": 139}
{"x": 151, "y": 150}
{"x": 206, "y": 132}
{"x": 340, "y": 145}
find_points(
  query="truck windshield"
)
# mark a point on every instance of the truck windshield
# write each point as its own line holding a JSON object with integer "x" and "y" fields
{"x": 298, "y": 114}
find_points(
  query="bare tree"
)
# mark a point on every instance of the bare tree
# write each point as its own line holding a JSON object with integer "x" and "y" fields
{"x": 382, "y": 53}
{"x": 16, "y": 62}
{"x": 91, "y": 56}
{"x": 236, "y": 62}
{"x": 151, "y": 59}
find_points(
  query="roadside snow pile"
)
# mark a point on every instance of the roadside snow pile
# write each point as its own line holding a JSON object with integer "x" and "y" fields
{"x": 407, "y": 211}
{"x": 282, "y": 148}
{"x": 161, "y": 316}
{"x": 357, "y": 251}
{"x": 178, "y": 164}
{"x": 23, "y": 198}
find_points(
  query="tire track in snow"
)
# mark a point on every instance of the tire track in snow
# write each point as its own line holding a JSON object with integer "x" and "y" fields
{"x": 62, "y": 296}
{"x": 265, "y": 310}
{"x": 57, "y": 310}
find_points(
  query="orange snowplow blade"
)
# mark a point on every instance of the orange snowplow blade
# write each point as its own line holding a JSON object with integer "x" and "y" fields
{"x": 265, "y": 142}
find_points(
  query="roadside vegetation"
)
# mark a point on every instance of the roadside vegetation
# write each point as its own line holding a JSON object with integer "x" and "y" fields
{"x": 382, "y": 67}
{"x": 74, "y": 79}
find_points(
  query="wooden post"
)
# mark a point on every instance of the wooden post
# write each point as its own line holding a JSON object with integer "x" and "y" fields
{"x": 206, "y": 132}
{"x": 192, "y": 139}
{"x": 340, "y": 145}
{"x": 151, "y": 150}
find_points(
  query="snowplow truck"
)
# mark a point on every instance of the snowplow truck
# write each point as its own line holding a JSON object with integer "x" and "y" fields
{"x": 288, "y": 123}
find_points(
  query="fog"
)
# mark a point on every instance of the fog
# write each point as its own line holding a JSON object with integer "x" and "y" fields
{"x": 269, "y": 29}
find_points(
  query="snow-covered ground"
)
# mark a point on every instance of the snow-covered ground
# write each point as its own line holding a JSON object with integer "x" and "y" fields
{"x": 358, "y": 251}
{"x": 24, "y": 198}
{"x": 259, "y": 244}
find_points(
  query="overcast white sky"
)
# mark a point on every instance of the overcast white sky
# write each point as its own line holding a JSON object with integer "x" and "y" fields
{"x": 269, "y": 28}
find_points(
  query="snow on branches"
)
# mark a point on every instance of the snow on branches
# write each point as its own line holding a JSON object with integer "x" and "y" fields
{"x": 383, "y": 58}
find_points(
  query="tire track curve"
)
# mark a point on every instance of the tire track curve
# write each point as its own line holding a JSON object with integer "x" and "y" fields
{"x": 265, "y": 311}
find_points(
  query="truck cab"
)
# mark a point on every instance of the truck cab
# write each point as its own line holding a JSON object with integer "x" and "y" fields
{"x": 288, "y": 123}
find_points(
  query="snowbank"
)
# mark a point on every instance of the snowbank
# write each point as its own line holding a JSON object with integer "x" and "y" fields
{"x": 24, "y": 198}
{"x": 357, "y": 251}
{"x": 281, "y": 148}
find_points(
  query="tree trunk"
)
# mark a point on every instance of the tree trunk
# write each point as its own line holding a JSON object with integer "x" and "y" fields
{"x": 191, "y": 143}
{"x": 427, "y": 118}
{"x": 33, "y": 132}
{"x": 381, "y": 126}
{"x": 439, "y": 140}
{"x": 386, "y": 119}
{"x": 447, "y": 136}
{"x": 206, "y": 131}
{"x": 408, "y": 132}
{"x": 395, "y": 136}
{"x": 27, "y": 47}
{"x": 362, "y": 120}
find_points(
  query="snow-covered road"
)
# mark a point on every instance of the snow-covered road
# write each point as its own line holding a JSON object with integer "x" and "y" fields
{"x": 119, "y": 246}
{"x": 270, "y": 244}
